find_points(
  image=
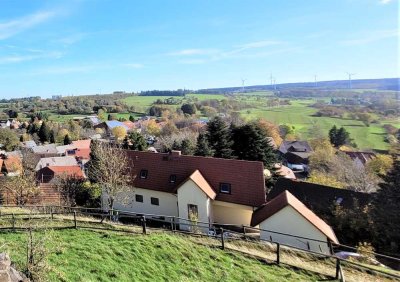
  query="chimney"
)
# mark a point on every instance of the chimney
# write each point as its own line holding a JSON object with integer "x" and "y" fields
{"x": 174, "y": 155}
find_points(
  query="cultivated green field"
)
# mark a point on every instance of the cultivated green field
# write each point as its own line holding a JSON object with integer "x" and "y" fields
{"x": 301, "y": 116}
{"x": 83, "y": 255}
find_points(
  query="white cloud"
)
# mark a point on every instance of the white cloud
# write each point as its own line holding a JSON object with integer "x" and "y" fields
{"x": 15, "y": 26}
{"x": 191, "y": 52}
{"x": 372, "y": 37}
{"x": 192, "y": 61}
{"x": 384, "y": 2}
{"x": 37, "y": 54}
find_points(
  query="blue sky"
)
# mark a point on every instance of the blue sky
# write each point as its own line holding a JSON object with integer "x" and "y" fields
{"x": 83, "y": 47}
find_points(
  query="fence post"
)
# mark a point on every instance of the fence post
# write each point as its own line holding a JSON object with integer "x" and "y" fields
{"x": 144, "y": 224}
{"x": 222, "y": 239}
{"x": 13, "y": 222}
{"x": 244, "y": 230}
{"x": 75, "y": 225}
{"x": 51, "y": 212}
{"x": 172, "y": 224}
{"x": 278, "y": 253}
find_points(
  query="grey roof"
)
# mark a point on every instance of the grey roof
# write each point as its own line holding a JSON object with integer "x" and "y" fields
{"x": 64, "y": 148}
{"x": 29, "y": 144}
{"x": 56, "y": 161}
{"x": 295, "y": 146}
{"x": 45, "y": 149}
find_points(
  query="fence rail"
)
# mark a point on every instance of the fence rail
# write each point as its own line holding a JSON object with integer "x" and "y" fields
{"x": 222, "y": 232}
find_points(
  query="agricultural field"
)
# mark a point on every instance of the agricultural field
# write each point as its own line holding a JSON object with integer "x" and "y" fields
{"x": 300, "y": 115}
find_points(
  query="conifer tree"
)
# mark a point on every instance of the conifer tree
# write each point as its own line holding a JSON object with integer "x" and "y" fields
{"x": 203, "y": 148}
{"x": 44, "y": 133}
{"x": 219, "y": 138}
{"x": 386, "y": 211}
{"x": 250, "y": 143}
{"x": 67, "y": 140}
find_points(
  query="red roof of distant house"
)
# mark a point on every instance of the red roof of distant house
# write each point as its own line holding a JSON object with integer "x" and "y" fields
{"x": 75, "y": 171}
{"x": 81, "y": 144}
{"x": 129, "y": 124}
{"x": 246, "y": 178}
{"x": 13, "y": 164}
{"x": 287, "y": 199}
{"x": 364, "y": 157}
{"x": 82, "y": 153}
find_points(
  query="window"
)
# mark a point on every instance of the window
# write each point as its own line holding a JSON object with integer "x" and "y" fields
{"x": 155, "y": 201}
{"x": 172, "y": 178}
{"x": 143, "y": 173}
{"x": 193, "y": 212}
{"x": 139, "y": 198}
{"x": 225, "y": 188}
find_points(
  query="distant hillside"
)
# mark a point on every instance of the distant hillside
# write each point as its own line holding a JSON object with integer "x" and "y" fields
{"x": 378, "y": 84}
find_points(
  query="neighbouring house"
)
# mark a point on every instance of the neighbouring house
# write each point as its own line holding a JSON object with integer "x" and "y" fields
{"x": 11, "y": 165}
{"x": 29, "y": 144}
{"x": 44, "y": 151}
{"x": 109, "y": 125}
{"x": 288, "y": 221}
{"x": 62, "y": 150}
{"x": 79, "y": 149}
{"x": 47, "y": 174}
{"x": 283, "y": 171}
{"x": 296, "y": 155}
{"x": 360, "y": 158}
{"x": 129, "y": 124}
{"x": 212, "y": 189}
{"x": 56, "y": 161}
{"x": 5, "y": 123}
{"x": 94, "y": 119}
{"x": 320, "y": 198}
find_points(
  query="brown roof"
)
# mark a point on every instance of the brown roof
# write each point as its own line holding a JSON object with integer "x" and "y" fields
{"x": 13, "y": 164}
{"x": 75, "y": 171}
{"x": 364, "y": 157}
{"x": 284, "y": 199}
{"x": 198, "y": 178}
{"x": 246, "y": 177}
{"x": 81, "y": 144}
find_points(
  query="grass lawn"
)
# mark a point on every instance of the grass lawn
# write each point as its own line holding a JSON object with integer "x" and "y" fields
{"x": 300, "y": 115}
{"x": 83, "y": 255}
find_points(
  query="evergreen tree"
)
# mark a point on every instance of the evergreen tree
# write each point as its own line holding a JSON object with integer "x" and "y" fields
{"x": 332, "y": 134}
{"x": 52, "y": 138}
{"x": 219, "y": 138}
{"x": 202, "y": 148}
{"x": 135, "y": 141}
{"x": 131, "y": 118}
{"x": 67, "y": 140}
{"x": 44, "y": 133}
{"x": 176, "y": 145}
{"x": 250, "y": 143}
{"x": 187, "y": 147}
{"x": 386, "y": 211}
{"x": 110, "y": 117}
{"x": 339, "y": 137}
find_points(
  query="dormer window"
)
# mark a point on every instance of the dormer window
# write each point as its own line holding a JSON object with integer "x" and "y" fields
{"x": 143, "y": 174}
{"x": 225, "y": 188}
{"x": 172, "y": 178}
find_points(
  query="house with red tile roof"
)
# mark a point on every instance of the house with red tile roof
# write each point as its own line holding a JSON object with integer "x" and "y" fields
{"x": 48, "y": 173}
{"x": 288, "y": 221}
{"x": 11, "y": 165}
{"x": 215, "y": 190}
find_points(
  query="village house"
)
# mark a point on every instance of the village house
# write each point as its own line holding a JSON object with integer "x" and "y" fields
{"x": 360, "y": 158}
{"x": 296, "y": 155}
{"x": 109, "y": 125}
{"x": 44, "y": 151}
{"x": 288, "y": 221}
{"x": 56, "y": 161}
{"x": 213, "y": 189}
{"x": 49, "y": 173}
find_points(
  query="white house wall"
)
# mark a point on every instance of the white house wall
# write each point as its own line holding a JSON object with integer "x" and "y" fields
{"x": 168, "y": 203}
{"x": 190, "y": 193}
{"x": 289, "y": 221}
{"x": 229, "y": 213}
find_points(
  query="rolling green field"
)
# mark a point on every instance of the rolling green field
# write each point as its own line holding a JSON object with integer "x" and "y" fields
{"x": 300, "y": 114}
{"x": 147, "y": 101}
{"x": 83, "y": 255}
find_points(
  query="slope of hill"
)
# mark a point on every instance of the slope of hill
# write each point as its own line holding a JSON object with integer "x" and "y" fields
{"x": 82, "y": 255}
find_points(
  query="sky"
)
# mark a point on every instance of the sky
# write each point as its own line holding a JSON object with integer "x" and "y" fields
{"x": 73, "y": 47}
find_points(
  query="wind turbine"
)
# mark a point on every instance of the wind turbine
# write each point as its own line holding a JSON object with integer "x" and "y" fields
{"x": 350, "y": 75}
{"x": 243, "y": 80}
{"x": 315, "y": 80}
{"x": 271, "y": 78}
